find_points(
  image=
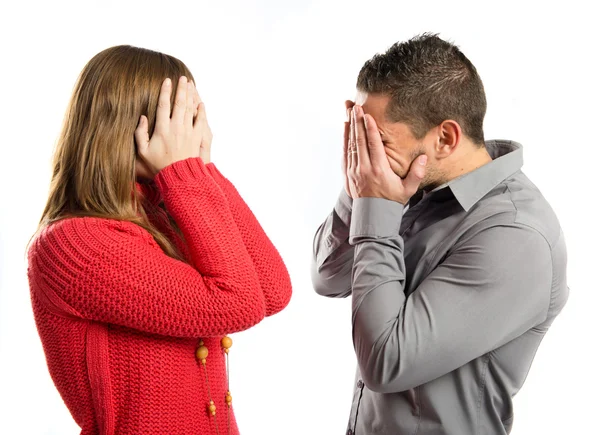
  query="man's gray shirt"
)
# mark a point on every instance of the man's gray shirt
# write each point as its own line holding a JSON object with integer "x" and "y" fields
{"x": 450, "y": 300}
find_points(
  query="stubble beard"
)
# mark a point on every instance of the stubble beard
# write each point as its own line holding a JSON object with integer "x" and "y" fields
{"x": 433, "y": 176}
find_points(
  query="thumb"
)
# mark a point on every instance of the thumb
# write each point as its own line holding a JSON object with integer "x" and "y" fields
{"x": 415, "y": 174}
{"x": 142, "y": 139}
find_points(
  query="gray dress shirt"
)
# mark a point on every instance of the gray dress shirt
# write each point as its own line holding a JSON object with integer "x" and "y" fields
{"x": 450, "y": 300}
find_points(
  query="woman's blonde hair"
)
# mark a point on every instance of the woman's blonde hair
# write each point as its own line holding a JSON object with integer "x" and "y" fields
{"x": 94, "y": 161}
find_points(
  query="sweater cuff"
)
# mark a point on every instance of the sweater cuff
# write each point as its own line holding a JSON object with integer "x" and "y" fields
{"x": 182, "y": 171}
{"x": 214, "y": 172}
{"x": 343, "y": 207}
{"x": 375, "y": 218}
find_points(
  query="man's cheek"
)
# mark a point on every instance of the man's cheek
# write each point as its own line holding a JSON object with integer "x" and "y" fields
{"x": 396, "y": 167}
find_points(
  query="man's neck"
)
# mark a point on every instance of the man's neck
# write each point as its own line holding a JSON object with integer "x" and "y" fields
{"x": 470, "y": 159}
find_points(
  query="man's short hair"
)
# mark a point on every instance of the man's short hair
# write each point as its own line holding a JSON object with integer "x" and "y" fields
{"x": 429, "y": 80}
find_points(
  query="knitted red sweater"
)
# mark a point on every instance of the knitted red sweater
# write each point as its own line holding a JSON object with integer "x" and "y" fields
{"x": 120, "y": 321}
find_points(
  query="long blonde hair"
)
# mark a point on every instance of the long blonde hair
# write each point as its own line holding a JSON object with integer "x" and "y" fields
{"x": 94, "y": 161}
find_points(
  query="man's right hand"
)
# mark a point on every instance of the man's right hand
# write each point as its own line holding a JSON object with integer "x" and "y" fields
{"x": 345, "y": 163}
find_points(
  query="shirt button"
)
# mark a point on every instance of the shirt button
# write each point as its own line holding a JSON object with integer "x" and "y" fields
{"x": 360, "y": 384}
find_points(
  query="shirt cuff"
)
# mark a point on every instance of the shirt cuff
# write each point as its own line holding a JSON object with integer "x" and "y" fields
{"x": 343, "y": 207}
{"x": 375, "y": 217}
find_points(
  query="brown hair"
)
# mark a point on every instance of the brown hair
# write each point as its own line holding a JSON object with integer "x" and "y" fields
{"x": 429, "y": 80}
{"x": 94, "y": 161}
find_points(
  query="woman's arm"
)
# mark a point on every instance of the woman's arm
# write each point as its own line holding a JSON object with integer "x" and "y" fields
{"x": 272, "y": 273}
{"x": 114, "y": 272}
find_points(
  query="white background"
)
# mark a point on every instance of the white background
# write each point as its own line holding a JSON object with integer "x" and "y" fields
{"x": 274, "y": 76}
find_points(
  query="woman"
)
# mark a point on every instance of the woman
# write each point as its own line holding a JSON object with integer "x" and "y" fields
{"x": 135, "y": 285}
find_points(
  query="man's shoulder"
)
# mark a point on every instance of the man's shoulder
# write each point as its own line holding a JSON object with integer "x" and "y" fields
{"x": 518, "y": 201}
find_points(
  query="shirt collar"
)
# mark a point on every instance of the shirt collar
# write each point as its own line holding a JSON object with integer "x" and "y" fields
{"x": 507, "y": 158}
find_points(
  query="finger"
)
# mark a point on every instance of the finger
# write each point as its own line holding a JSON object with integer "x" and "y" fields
{"x": 349, "y": 104}
{"x": 346, "y": 144}
{"x": 202, "y": 131}
{"x": 179, "y": 109}
{"x": 352, "y": 160}
{"x": 347, "y": 134}
{"x": 190, "y": 108}
{"x": 206, "y": 131}
{"x": 199, "y": 113}
{"x": 374, "y": 143}
{"x": 197, "y": 100}
{"x": 415, "y": 175}
{"x": 142, "y": 139}
{"x": 163, "y": 111}
{"x": 198, "y": 95}
{"x": 200, "y": 118}
{"x": 361, "y": 136}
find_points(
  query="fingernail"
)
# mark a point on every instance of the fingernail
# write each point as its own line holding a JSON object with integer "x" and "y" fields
{"x": 422, "y": 159}
{"x": 167, "y": 81}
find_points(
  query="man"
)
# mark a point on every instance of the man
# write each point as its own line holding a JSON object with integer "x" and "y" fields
{"x": 455, "y": 262}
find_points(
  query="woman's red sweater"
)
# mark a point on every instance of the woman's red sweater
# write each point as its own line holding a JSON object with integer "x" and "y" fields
{"x": 120, "y": 321}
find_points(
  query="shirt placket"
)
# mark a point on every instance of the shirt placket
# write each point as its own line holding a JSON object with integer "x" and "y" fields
{"x": 355, "y": 405}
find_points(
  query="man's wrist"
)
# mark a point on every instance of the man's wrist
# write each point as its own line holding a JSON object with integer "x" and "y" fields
{"x": 343, "y": 207}
{"x": 375, "y": 217}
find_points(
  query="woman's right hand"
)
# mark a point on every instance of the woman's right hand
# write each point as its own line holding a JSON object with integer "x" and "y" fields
{"x": 178, "y": 135}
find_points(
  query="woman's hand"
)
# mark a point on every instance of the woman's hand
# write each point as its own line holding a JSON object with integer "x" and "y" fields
{"x": 178, "y": 135}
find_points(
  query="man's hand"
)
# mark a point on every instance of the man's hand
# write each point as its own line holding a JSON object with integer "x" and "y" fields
{"x": 369, "y": 172}
{"x": 349, "y": 105}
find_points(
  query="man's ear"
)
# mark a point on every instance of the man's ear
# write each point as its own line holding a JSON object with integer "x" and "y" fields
{"x": 449, "y": 134}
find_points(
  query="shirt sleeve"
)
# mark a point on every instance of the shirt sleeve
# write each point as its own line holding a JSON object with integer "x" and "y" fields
{"x": 114, "y": 272}
{"x": 272, "y": 273}
{"x": 490, "y": 289}
{"x": 332, "y": 258}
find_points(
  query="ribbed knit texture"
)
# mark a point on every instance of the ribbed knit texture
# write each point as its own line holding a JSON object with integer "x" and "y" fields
{"x": 120, "y": 321}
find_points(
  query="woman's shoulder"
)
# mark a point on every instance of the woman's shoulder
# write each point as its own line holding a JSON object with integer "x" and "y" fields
{"x": 87, "y": 234}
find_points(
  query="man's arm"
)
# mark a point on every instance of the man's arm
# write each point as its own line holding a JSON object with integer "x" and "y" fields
{"x": 333, "y": 256}
{"x": 489, "y": 290}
